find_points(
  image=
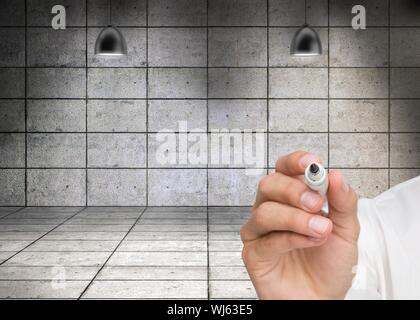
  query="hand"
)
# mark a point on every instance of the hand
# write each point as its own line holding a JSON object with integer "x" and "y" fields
{"x": 290, "y": 250}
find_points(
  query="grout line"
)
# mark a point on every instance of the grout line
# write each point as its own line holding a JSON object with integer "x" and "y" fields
{"x": 203, "y": 133}
{"x": 112, "y": 253}
{"x": 328, "y": 86}
{"x": 207, "y": 171}
{"x": 45, "y": 233}
{"x": 389, "y": 94}
{"x": 86, "y": 106}
{"x": 26, "y": 105}
{"x": 267, "y": 152}
{"x": 147, "y": 103}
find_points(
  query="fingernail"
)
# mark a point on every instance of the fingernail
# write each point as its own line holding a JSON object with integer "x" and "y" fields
{"x": 310, "y": 199}
{"x": 319, "y": 224}
{"x": 345, "y": 186}
{"x": 308, "y": 159}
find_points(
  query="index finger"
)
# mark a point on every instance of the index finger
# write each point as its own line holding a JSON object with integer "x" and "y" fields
{"x": 295, "y": 163}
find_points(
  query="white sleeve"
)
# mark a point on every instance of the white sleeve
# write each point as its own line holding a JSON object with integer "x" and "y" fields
{"x": 389, "y": 250}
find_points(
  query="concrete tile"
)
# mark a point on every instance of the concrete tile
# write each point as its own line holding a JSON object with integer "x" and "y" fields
{"x": 56, "y": 83}
{"x": 404, "y": 45}
{"x": 405, "y": 83}
{"x": 359, "y": 83}
{"x": 12, "y": 184}
{"x": 228, "y": 273}
{"x": 164, "y": 246}
{"x": 405, "y": 116}
{"x": 232, "y": 290}
{"x": 280, "y": 41}
{"x": 56, "y": 115}
{"x": 233, "y": 246}
{"x": 39, "y": 12}
{"x": 30, "y": 236}
{"x": 8, "y": 210}
{"x": 13, "y": 245}
{"x": 152, "y": 273}
{"x": 12, "y": 149}
{"x": 164, "y": 154}
{"x": 56, "y": 150}
{"x": 223, "y": 187}
{"x": 358, "y": 48}
{"x": 404, "y": 13}
{"x": 376, "y": 12}
{"x": 147, "y": 290}
{"x": 116, "y": 150}
{"x": 220, "y": 259}
{"x": 26, "y": 227}
{"x": 47, "y": 273}
{"x": 171, "y": 221}
{"x": 58, "y": 259}
{"x": 178, "y": 83}
{"x": 88, "y": 236}
{"x": 49, "y": 211}
{"x": 358, "y": 116}
{"x": 71, "y": 245}
{"x": 116, "y": 116}
{"x": 124, "y": 13}
{"x": 237, "y": 47}
{"x": 12, "y": 47}
{"x": 237, "y": 83}
{"x": 237, "y": 13}
{"x": 117, "y": 83}
{"x": 282, "y": 144}
{"x": 12, "y": 83}
{"x": 165, "y": 235}
{"x": 5, "y": 255}
{"x": 372, "y": 150}
{"x": 229, "y": 211}
{"x": 367, "y": 183}
{"x": 401, "y": 175}
{"x": 292, "y": 12}
{"x": 165, "y": 115}
{"x": 136, "y": 49}
{"x": 179, "y": 187}
{"x": 12, "y": 116}
{"x": 54, "y": 187}
{"x": 298, "y": 83}
{"x": 116, "y": 187}
{"x": 41, "y": 289}
{"x": 172, "y": 228}
{"x": 237, "y": 114}
{"x": 177, "y": 13}
{"x": 13, "y": 13}
{"x": 298, "y": 115}
{"x": 51, "y": 48}
{"x": 30, "y": 221}
{"x": 405, "y": 150}
{"x": 158, "y": 258}
{"x": 101, "y": 221}
{"x": 224, "y": 235}
{"x": 221, "y": 227}
{"x": 93, "y": 228}
{"x": 177, "y": 210}
{"x": 178, "y": 47}
{"x": 120, "y": 211}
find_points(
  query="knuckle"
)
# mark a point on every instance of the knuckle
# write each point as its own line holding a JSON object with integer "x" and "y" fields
{"x": 264, "y": 185}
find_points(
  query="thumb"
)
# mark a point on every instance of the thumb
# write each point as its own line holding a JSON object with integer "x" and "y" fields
{"x": 342, "y": 203}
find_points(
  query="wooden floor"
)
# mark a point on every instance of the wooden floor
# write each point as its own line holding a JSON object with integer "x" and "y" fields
{"x": 122, "y": 253}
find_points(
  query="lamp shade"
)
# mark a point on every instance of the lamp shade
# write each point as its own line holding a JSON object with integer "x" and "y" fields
{"x": 306, "y": 42}
{"x": 110, "y": 42}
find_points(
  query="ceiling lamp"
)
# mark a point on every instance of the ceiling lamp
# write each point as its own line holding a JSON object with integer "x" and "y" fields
{"x": 110, "y": 42}
{"x": 306, "y": 41}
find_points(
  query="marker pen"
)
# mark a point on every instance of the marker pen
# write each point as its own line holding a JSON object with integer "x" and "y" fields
{"x": 316, "y": 178}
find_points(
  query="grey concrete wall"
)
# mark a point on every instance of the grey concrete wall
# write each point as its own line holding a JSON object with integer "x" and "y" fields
{"x": 79, "y": 130}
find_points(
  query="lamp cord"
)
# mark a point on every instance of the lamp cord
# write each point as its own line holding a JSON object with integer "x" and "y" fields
{"x": 109, "y": 12}
{"x": 306, "y": 5}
